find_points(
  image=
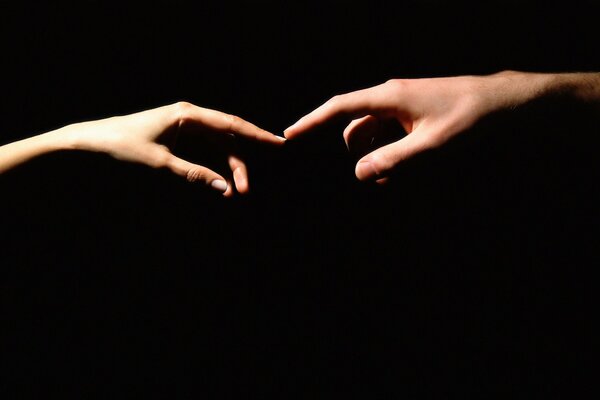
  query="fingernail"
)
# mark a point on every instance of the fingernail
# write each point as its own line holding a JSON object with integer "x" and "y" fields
{"x": 219, "y": 185}
{"x": 281, "y": 138}
{"x": 365, "y": 170}
{"x": 291, "y": 126}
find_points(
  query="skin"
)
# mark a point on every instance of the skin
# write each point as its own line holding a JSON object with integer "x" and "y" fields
{"x": 148, "y": 138}
{"x": 433, "y": 111}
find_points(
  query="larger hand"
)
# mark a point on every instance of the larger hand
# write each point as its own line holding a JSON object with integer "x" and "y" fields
{"x": 431, "y": 111}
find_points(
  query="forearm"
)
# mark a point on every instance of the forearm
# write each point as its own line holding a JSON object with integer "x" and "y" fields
{"x": 511, "y": 89}
{"x": 17, "y": 153}
{"x": 584, "y": 87}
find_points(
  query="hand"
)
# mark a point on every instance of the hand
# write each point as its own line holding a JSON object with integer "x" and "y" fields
{"x": 148, "y": 138}
{"x": 431, "y": 111}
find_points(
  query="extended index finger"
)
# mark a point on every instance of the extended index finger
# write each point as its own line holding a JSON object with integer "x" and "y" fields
{"x": 187, "y": 113}
{"x": 376, "y": 101}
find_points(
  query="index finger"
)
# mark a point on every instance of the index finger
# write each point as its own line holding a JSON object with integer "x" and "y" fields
{"x": 376, "y": 101}
{"x": 187, "y": 113}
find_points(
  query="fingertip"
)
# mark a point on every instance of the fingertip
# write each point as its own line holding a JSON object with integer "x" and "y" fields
{"x": 241, "y": 180}
{"x": 242, "y": 186}
{"x": 243, "y": 189}
{"x": 291, "y": 127}
{"x": 219, "y": 185}
{"x": 230, "y": 192}
{"x": 280, "y": 139}
{"x": 288, "y": 133}
{"x": 365, "y": 170}
{"x": 293, "y": 130}
{"x": 270, "y": 138}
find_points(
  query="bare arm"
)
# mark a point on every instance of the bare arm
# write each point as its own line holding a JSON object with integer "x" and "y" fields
{"x": 16, "y": 153}
{"x": 139, "y": 138}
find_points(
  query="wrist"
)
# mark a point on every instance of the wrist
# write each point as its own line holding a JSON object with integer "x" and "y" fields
{"x": 512, "y": 89}
{"x": 69, "y": 138}
{"x": 517, "y": 88}
{"x": 60, "y": 139}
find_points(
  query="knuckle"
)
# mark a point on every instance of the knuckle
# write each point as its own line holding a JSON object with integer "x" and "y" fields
{"x": 195, "y": 175}
{"x": 183, "y": 105}
{"x": 397, "y": 89}
{"x": 161, "y": 159}
{"x": 334, "y": 101}
{"x": 396, "y": 84}
{"x": 231, "y": 121}
{"x": 182, "y": 110}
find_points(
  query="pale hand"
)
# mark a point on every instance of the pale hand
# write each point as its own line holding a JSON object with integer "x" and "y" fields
{"x": 147, "y": 138}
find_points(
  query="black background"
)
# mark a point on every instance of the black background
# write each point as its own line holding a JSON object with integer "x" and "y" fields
{"x": 471, "y": 273}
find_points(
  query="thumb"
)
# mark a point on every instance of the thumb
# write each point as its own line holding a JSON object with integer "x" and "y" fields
{"x": 197, "y": 173}
{"x": 381, "y": 162}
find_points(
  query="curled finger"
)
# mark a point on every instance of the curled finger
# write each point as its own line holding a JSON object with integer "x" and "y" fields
{"x": 240, "y": 173}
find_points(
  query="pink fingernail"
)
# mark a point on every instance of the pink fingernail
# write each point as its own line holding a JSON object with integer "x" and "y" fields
{"x": 365, "y": 170}
{"x": 219, "y": 185}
